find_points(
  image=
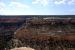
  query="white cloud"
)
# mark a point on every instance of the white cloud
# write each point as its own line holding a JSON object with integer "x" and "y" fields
{"x": 60, "y": 2}
{"x": 19, "y": 9}
{"x": 18, "y": 4}
{"x": 71, "y": 2}
{"x": 2, "y": 4}
{"x": 42, "y": 2}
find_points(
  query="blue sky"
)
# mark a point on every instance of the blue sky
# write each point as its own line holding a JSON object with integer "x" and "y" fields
{"x": 37, "y": 7}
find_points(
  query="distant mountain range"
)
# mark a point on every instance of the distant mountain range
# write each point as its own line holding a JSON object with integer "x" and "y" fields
{"x": 29, "y": 16}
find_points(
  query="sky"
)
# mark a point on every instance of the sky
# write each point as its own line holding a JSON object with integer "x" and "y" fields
{"x": 37, "y": 7}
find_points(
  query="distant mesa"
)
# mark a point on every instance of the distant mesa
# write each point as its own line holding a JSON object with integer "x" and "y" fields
{"x": 10, "y": 20}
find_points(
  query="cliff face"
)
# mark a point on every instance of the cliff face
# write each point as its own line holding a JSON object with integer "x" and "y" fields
{"x": 37, "y": 30}
{"x": 7, "y": 28}
{"x": 10, "y": 24}
{"x": 48, "y": 32}
{"x": 40, "y": 28}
